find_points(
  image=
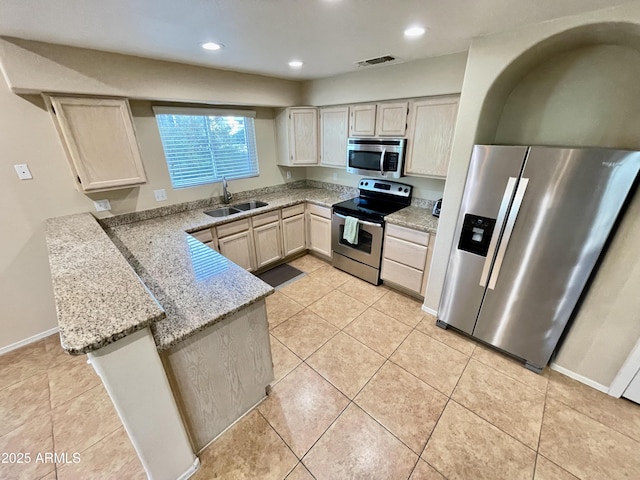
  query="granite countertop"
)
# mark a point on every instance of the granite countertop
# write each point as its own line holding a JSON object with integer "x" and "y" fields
{"x": 417, "y": 218}
{"x": 87, "y": 273}
{"x": 161, "y": 276}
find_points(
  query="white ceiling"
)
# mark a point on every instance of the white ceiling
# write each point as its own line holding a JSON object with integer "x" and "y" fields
{"x": 261, "y": 36}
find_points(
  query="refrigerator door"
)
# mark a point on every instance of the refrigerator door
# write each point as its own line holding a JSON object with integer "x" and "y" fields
{"x": 565, "y": 206}
{"x": 491, "y": 184}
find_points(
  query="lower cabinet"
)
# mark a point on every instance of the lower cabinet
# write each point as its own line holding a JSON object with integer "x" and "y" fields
{"x": 319, "y": 228}
{"x": 405, "y": 257}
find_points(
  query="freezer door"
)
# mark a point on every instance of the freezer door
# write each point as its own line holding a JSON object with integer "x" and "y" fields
{"x": 489, "y": 191}
{"x": 564, "y": 209}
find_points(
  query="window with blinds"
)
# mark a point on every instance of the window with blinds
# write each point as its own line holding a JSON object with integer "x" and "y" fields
{"x": 203, "y": 145}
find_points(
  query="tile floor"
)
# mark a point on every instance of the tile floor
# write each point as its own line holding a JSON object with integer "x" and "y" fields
{"x": 367, "y": 387}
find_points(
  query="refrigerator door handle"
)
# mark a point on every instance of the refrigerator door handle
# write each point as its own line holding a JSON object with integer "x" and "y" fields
{"x": 502, "y": 213}
{"x": 508, "y": 230}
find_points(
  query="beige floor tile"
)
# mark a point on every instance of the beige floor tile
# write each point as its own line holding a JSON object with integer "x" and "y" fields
{"x": 112, "y": 457}
{"x": 363, "y": 291}
{"x": 431, "y": 361}
{"x": 449, "y": 337}
{"x": 330, "y": 275}
{"x": 23, "y": 401}
{"x": 304, "y": 333}
{"x": 617, "y": 413}
{"x": 404, "y": 405}
{"x": 284, "y": 360}
{"x": 547, "y": 470}
{"x": 69, "y": 379}
{"x": 586, "y": 448}
{"x": 300, "y": 473}
{"x": 280, "y": 308}
{"x": 506, "y": 403}
{"x": 378, "y": 331}
{"x": 306, "y": 290}
{"x": 511, "y": 367}
{"x": 346, "y": 363}
{"x": 464, "y": 446}
{"x": 250, "y": 450}
{"x": 356, "y": 446}
{"x": 424, "y": 471}
{"x": 55, "y": 352}
{"x": 83, "y": 421}
{"x": 308, "y": 263}
{"x": 301, "y": 407}
{"x": 20, "y": 364}
{"x": 338, "y": 308}
{"x": 406, "y": 309}
{"x": 32, "y": 438}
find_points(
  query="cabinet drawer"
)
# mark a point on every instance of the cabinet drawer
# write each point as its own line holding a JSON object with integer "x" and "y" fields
{"x": 204, "y": 236}
{"x": 294, "y": 210}
{"x": 265, "y": 218}
{"x": 404, "y": 252}
{"x": 320, "y": 211}
{"x": 408, "y": 234}
{"x": 232, "y": 227}
{"x": 406, "y": 277}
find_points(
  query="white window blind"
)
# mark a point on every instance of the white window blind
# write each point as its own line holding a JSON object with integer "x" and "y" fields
{"x": 203, "y": 145}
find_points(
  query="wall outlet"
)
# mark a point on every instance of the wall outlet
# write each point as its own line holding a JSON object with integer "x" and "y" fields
{"x": 288, "y": 175}
{"x": 23, "y": 171}
{"x": 161, "y": 195}
{"x": 335, "y": 175}
{"x": 102, "y": 205}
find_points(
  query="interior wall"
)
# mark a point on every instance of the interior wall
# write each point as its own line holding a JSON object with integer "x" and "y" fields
{"x": 28, "y": 135}
{"x": 489, "y": 63}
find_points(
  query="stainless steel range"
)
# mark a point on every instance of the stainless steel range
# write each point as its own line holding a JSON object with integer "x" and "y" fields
{"x": 378, "y": 198}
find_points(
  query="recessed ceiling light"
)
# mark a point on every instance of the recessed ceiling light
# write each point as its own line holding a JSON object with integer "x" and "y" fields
{"x": 414, "y": 31}
{"x": 211, "y": 46}
{"x": 295, "y": 64}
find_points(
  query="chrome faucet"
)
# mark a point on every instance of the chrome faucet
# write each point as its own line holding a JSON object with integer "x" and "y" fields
{"x": 226, "y": 194}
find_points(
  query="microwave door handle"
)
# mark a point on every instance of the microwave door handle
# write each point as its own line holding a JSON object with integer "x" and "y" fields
{"x": 384, "y": 150}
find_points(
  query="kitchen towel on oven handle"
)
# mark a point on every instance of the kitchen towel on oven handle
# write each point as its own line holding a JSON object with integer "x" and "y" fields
{"x": 351, "y": 230}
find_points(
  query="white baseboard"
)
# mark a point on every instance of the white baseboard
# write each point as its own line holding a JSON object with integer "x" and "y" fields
{"x": 29, "y": 340}
{"x": 192, "y": 470}
{"x": 580, "y": 378}
{"x": 430, "y": 311}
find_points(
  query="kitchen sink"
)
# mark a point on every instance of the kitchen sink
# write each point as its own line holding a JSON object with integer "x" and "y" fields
{"x": 250, "y": 205}
{"x": 222, "y": 211}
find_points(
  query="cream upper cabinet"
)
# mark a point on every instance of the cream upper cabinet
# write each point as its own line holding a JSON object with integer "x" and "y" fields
{"x": 431, "y": 126}
{"x": 334, "y": 131}
{"x": 297, "y": 136}
{"x": 362, "y": 120}
{"x": 391, "y": 119}
{"x": 319, "y": 228}
{"x": 100, "y": 142}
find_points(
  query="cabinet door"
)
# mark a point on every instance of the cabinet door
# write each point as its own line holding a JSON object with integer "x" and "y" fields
{"x": 431, "y": 126}
{"x": 293, "y": 234}
{"x": 392, "y": 119}
{"x": 239, "y": 249}
{"x": 320, "y": 235}
{"x": 267, "y": 240}
{"x": 303, "y": 136}
{"x": 334, "y": 131}
{"x": 100, "y": 142}
{"x": 362, "y": 120}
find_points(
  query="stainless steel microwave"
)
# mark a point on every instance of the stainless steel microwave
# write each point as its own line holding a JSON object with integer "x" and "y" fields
{"x": 378, "y": 157}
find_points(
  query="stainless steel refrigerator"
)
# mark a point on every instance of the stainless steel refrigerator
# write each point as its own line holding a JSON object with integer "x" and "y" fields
{"x": 532, "y": 224}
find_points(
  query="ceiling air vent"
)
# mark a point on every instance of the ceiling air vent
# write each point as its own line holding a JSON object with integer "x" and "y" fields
{"x": 376, "y": 61}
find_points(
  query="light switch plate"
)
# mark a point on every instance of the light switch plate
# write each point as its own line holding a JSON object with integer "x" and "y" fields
{"x": 23, "y": 171}
{"x": 160, "y": 195}
{"x": 102, "y": 205}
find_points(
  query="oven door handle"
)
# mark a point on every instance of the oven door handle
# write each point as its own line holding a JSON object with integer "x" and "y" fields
{"x": 363, "y": 222}
{"x": 384, "y": 150}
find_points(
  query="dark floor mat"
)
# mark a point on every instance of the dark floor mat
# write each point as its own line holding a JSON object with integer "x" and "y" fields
{"x": 280, "y": 275}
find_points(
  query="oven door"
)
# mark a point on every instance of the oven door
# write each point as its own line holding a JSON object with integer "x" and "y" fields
{"x": 368, "y": 250}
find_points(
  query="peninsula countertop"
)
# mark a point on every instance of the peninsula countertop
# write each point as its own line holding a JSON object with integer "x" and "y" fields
{"x": 181, "y": 287}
